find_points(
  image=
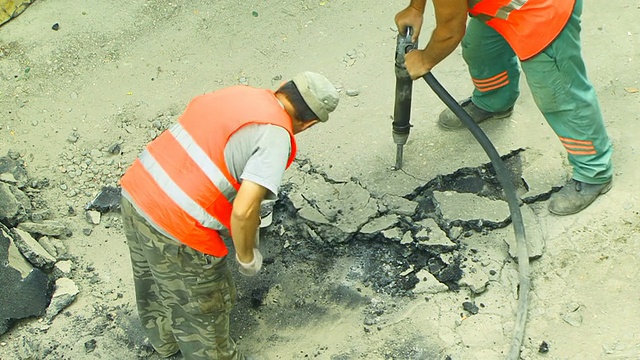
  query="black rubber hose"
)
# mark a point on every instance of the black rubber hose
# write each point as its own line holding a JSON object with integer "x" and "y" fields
{"x": 514, "y": 208}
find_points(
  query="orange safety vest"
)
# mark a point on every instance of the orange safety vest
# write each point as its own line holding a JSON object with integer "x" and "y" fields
{"x": 529, "y": 26}
{"x": 180, "y": 182}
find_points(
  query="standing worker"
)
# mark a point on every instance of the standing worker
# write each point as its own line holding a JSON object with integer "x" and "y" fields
{"x": 207, "y": 173}
{"x": 545, "y": 36}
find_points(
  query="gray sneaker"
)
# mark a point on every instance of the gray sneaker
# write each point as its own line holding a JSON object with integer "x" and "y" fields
{"x": 575, "y": 196}
{"x": 450, "y": 121}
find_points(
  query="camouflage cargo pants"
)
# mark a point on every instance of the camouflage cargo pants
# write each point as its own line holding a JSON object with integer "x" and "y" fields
{"x": 183, "y": 296}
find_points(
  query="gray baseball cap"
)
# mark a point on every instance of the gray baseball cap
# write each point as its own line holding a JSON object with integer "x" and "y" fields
{"x": 318, "y": 92}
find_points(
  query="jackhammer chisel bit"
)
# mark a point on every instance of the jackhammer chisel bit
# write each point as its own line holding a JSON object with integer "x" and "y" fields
{"x": 404, "y": 86}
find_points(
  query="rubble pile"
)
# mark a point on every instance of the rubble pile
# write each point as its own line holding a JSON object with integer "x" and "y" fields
{"x": 34, "y": 263}
{"x": 407, "y": 245}
{"x": 397, "y": 245}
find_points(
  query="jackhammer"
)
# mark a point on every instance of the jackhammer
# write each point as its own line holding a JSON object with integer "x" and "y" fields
{"x": 404, "y": 87}
{"x": 401, "y": 129}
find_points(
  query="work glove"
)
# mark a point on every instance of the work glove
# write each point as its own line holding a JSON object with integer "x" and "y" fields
{"x": 252, "y": 268}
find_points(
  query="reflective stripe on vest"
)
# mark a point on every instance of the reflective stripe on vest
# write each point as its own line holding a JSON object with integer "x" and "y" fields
{"x": 529, "y": 26}
{"x": 177, "y": 194}
{"x": 181, "y": 183}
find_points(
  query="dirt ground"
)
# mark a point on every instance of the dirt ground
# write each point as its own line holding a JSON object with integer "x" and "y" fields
{"x": 119, "y": 72}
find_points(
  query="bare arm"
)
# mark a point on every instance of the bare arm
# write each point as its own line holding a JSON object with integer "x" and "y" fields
{"x": 451, "y": 23}
{"x": 245, "y": 219}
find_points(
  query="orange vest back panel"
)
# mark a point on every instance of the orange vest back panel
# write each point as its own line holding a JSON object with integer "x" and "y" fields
{"x": 181, "y": 182}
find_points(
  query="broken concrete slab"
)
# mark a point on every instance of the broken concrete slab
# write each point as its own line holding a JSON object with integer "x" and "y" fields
{"x": 399, "y": 205}
{"x": 540, "y": 171}
{"x": 15, "y": 206}
{"x": 40, "y": 215}
{"x": 466, "y": 207}
{"x": 393, "y": 234}
{"x": 432, "y": 236}
{"x": 533, "y": 232}
{"x": 48, "y": 245}
{"x": 65, "y": 293}
{"x": 346, "y": 206}
{"x": 428, "y": 284}
{"x": 108, "y": 199}
{"x": 358, "y": 204}
{"x": 47, "y": 227}
{"x": 93, "y": 217}
{"x": 309, "y": 213}
{"x": 16, "y": 168}
{"x": 475, "y": 279}
{"x": 61, "y": 249}
{"x": 62, "y": 269}
{"x": 8, "y": 178}
{"x": 26, "y": 291}
{"x": 32, "y": 250}
{"x": 15, "y": 259}
{"x": 379, "y": 224}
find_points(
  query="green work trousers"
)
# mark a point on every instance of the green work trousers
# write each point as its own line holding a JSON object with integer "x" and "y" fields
{"x": 558, "y": 81}
{"x": 183, "y": 296}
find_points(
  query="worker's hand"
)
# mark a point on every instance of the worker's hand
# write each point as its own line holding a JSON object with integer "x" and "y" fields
{"x": 409, "y": 17}
{"x": 253, "y": 267}
{"x": 414, "y": 62}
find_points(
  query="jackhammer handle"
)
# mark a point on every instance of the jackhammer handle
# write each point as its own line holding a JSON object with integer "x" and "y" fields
{"x": 404, "y": 45}
{"x": 407, "y": 39}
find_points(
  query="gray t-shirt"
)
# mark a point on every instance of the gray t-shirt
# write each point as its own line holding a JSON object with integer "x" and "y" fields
{"x": 259, "y": 153}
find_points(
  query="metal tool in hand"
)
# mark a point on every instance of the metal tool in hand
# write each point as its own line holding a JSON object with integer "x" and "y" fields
{"x": 404, "y": 87}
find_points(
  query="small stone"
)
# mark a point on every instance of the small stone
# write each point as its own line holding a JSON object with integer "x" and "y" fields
{"x": 55, "y": 27}
{"x": 352, "y": 92}
{"x": 573, "y": 319}
{"x": 93, "y": 217}
{"x": 87, "y": 231}
{"x": 470, "y": 307}
{"x": 544, "y": 348}
{"x": 114, "y": 149}
{"x": 90, "y": 345}
{"x": 64, "y": 266}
